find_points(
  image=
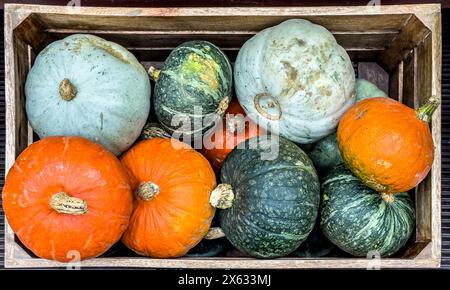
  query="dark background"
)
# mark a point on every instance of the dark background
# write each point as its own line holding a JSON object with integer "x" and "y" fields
{"x": 445, "y": 203}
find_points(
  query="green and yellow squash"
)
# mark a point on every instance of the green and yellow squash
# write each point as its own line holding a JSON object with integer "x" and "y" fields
{"x": 193, "y": 89}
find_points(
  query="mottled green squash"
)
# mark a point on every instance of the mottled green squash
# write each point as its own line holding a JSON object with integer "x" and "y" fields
{"x": 193, "y": 89}
{"x": 276, "y": 199}
{"x": 86, "y": 86}
{"x": 366, "y": 90}
{"x": 361, "y": 221}
{"x": 325, "y": 153}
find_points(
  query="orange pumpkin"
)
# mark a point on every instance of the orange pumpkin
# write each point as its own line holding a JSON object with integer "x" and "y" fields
{"x": 172, "y": 184}
{"x": 387, "y": 144}
{"x": 67, "y": 198}
{"x": 234, "y": 129}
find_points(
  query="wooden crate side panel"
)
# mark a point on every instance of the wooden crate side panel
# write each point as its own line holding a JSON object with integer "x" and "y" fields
{"x": 412, "y": 32}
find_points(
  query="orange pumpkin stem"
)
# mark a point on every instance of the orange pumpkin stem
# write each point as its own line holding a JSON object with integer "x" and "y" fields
{"x": 425, "y": 112}
{"x": 147, "y": 191}
{"x": 214, "y": 233}
{"x": 222, "y": 196}
{"x": 63, "y": 203}
{"x": 154, "y": 73}
{"x": 387, "y": 197}
{"x": 67, "y": 90}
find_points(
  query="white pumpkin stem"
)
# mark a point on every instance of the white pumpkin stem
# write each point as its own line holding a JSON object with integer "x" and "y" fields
{"x": 214, "y": 233}
{"x": 425, "y": 112}
{"x": 63, "y": 203}
{"x": 222, "y": 196}
{"x": 147, "y": 191}
{"x": 154, "y": 73}
{"x": 274, "y": 103}
{"x": 67, "y": 90}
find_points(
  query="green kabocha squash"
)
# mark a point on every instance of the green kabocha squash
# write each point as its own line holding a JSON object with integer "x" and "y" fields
{"x": 193, "y": 89}
{"x": 294, "y": 79}
{"x": 276, "y": 197}
{"x": 325, "y": 153}
{"x": 361, "y": 221}
{"x": 366, "y": 89}
{"x": 86, "y": 86}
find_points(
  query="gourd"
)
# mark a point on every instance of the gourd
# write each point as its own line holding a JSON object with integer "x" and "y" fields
{"x": 276, "y": 197}
{"x": 295, "y": 80}
{"x": 86, "y": 86}
{"x": 67, "y": 197}
{"x": 172, "y": 184}
{"x": 234, "y": 129}
{"x": 192, "y": 90}
{"x": 325, "y": 153}
{"x": 366, "y": 89}
{"x": 395, "y": 150}
{"x": 361, "y": 221}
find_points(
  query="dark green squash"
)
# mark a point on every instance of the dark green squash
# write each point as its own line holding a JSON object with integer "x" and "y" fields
{"x": 196, "y": 75}
{"x": 276, "y": 199}
{"x": 326, "y": 154}
{"x": 359, "y": 220}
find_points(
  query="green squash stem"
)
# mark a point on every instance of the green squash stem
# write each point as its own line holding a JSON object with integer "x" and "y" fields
{"x": 147, "y": 191}
{"x": 154, "y": 73}
{"x": 214, "y": 233}
{"x": 425, "y": 112}
{"x": 222, "y": 196}
{"x": 64, "y": 203}
{"x": 67, "y": 90}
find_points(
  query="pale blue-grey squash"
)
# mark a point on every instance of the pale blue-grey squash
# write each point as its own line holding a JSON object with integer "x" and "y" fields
{"x": 86, "y": 86}
{"x": 295, "y": 80}
{"x": 366, "y": 89}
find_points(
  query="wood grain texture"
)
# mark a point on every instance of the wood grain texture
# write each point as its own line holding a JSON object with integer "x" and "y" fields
{"x": 376, "y": 25}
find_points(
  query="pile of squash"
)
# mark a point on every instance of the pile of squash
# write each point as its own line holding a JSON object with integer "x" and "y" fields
{"x": 104, "y": 172}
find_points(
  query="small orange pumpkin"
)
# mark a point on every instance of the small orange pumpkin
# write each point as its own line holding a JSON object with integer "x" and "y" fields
{"x": 229, "y": 133}
{"x": 387, "y": 144}
{"x": 172, "y": 184}
{"x": 67, "y": 198}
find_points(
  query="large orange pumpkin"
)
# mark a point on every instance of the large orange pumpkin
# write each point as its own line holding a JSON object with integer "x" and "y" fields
{"x": 233, "y": 129}
{"x": 387, "y": 144}
{"x": 172, "y": 184}
{"x": 67, "y": 198}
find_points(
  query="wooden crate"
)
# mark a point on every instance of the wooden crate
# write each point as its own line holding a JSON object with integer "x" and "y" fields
{"x": 405, "y": 41}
